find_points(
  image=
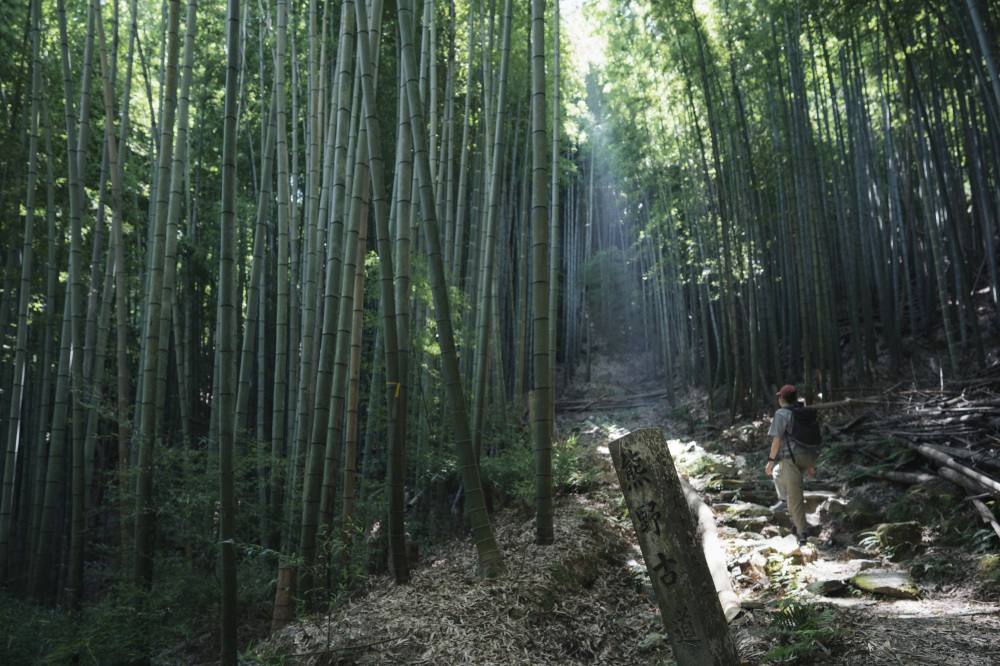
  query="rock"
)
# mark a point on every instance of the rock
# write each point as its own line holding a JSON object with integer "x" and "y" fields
{"x": 727, "y": 466}
{"x": 827, "y": 588}
{"x": 841, "y": 539}
{"x": 756, "y": 524}
{"x": 814, "y": 498}
{"x": 836, "y": 507}
{"x": 753, "y": 510}
{"x": 780, "y": 545}
{"x": 807, "y": 553}
{"x": 782, "y": 519}
{"x": 890, "y": 583}
{"x": 652, "y": 621}
{"x": 753, "y": 564}
{"x": 752, "y": 495}
{"x": 988, "y": 573}
{"x": 651, "y": 642}
{"x": 863, "y": 565}
{"x": 860, "y": 513}
{"x": 771, "y": 531}
{"x": 860, "y": 553}
{"x": 900, "y": 541}
{"x": 789, "y": 548}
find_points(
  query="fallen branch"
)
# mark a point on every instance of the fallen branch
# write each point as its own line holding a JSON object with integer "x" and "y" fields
{"x": 853, "y": 422}
{"x": 949, "y": 474}
{"x": 714, "y": 552}
{"x": 975, "y": 457}
{"x": 848, "y": 402}
{"x": 948, "y": 461}
{"x": 912, "y": 478}
{"x": 858, "y": 445}
{"x": 987, "y": 515}
{"x": 861, "y": 447}
{"x": 605, "y": 402}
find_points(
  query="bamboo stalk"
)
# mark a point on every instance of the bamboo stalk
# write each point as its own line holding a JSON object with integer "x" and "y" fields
{"x": 987, "y": 515}
{"x": 950, "y": 462}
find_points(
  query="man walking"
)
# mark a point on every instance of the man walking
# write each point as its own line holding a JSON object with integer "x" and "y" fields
{"x": 789, "y": 461}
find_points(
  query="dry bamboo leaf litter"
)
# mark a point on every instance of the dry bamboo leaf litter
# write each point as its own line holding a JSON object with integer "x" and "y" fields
{"x": 534, "y": 614}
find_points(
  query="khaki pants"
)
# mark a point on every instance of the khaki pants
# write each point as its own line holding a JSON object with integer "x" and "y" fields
{"x": 789, "y": 481}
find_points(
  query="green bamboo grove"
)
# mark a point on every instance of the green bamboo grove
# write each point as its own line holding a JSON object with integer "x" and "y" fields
{"x": 795, "y": 191}
{"x": 340, "y": 256}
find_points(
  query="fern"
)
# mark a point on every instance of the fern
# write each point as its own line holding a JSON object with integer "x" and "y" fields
{"x": 802, "y": 631}
{"x": 792, "y": 615}
{"x": 783, "y": 573}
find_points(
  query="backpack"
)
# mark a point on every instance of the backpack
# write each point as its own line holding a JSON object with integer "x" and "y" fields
{"x": 804, "y": 427}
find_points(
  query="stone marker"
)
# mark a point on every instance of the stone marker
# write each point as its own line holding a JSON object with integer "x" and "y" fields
{"x": 689, "y": 607}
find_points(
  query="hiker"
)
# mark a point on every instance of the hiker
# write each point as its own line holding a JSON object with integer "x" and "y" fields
{"x": 789, "y": 461}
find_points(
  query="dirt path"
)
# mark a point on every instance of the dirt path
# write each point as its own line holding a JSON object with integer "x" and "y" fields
{"x": 953, "y": 621}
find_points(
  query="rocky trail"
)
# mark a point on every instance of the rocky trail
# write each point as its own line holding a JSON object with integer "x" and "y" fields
{"x": 900, "y": 571}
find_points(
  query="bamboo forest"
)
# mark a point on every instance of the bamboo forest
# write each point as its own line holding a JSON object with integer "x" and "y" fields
{"x": 346, "y": 261}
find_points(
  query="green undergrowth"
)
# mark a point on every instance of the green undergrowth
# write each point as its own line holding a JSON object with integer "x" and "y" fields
{"x": 803, "y": 632}
{"x": 783, "y": 573}
{"x": 936, "y": 504}
{"x": 933, "y": 567}
{"x": 128, "y": 624}
{"x": 706, "y": 465}
{"x": 942, "y": 507}
{"x": 119, "y": 622}
{"x": 511, "y": 471}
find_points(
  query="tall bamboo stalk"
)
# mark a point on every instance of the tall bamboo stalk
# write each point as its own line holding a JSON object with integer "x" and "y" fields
{"x": 540, "y": 285}
{"x": 228, "y": 302}
{"x": 490, "y": 559}
{"x": 14, "y": 448}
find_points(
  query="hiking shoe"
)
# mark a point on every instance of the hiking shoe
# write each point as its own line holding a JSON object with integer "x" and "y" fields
{"x": 782, "y": 505}
{"x": 803, "y": 538}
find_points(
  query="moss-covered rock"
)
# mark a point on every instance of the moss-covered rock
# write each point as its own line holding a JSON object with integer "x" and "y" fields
{"x": 861, "y": 513}
{"x": 890, "y": 583}
{"x": 900, "y": 541}
{"x": 988, "y": 573}
{"x": 827, "y": 588}
{"x": 925, "y": 502}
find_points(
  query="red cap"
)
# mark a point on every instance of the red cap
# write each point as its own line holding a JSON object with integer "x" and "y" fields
{"x": 788, "y": 390}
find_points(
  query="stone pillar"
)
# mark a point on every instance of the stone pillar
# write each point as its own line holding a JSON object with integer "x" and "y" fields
{"x": 689, "y": 607}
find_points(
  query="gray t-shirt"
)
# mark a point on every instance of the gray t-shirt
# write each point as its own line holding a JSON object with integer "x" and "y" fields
{"x": 781, "y": 426}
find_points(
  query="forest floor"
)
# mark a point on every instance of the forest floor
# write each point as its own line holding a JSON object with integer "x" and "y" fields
{"x": 587, "y": 599}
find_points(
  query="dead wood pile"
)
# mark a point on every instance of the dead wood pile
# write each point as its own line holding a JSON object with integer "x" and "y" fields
{"x": 602, "y": 402}
{"x": 955, "y": 430}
